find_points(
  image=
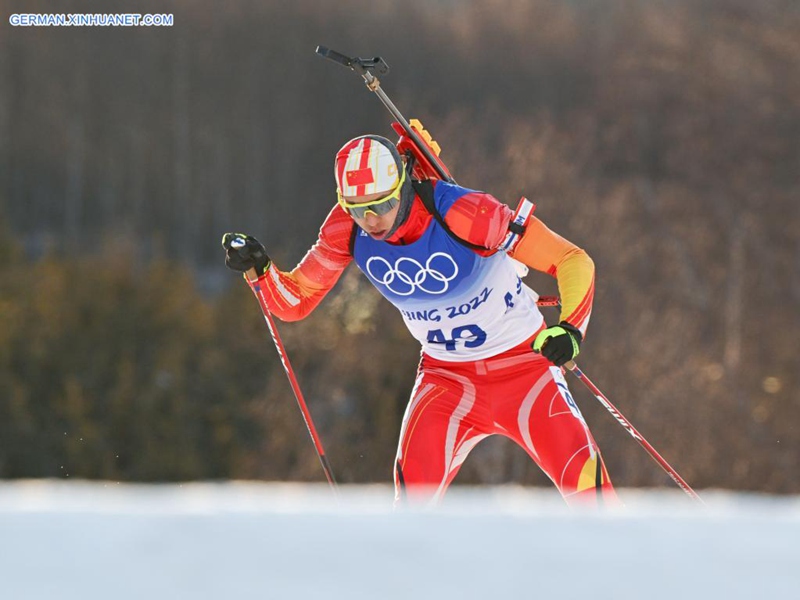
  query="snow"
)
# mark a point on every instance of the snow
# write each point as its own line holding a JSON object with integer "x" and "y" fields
{"x": 83, "y": 540}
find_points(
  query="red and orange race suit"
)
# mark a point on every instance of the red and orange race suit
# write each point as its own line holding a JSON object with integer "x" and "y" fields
{"x": 478, "y": 375}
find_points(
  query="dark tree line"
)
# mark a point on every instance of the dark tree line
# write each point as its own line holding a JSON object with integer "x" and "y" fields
{"x": 661, "y": 136}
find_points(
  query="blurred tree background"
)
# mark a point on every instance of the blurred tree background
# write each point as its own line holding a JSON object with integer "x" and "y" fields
{"x": 661, "y": 135}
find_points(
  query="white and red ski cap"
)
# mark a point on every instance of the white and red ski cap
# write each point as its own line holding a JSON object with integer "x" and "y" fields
{"x": 368, "y": 164}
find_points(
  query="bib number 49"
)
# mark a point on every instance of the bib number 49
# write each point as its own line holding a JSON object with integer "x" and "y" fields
{"x": 472, "y": 336}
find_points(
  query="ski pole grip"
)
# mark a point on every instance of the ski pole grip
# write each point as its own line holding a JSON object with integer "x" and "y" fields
{"x": 336, "y": 57}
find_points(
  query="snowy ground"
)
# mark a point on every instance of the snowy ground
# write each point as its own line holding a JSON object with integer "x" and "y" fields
{"x": 88, "y": 541}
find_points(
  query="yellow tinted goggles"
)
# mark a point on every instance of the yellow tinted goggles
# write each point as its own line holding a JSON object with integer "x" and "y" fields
{"x": 379, "y": 207}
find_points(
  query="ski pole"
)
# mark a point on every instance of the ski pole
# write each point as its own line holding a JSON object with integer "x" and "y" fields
{"x": 632, "y": 430}
{"x": 252, "y": 280}
{"x": 548, "y": 301}
{"x": 363, "y": 67}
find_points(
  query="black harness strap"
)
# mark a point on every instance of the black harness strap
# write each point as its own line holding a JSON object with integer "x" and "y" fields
{"x": 351, "y": 246}
{"x": 424, "y": 190}
{"x": 516, "y": 228}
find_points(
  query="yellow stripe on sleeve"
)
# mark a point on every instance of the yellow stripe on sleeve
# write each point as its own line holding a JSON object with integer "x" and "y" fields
{"x": 546, "y": 251}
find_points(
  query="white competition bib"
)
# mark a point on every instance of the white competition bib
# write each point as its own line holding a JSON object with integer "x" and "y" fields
{"x": 459, "y": 305}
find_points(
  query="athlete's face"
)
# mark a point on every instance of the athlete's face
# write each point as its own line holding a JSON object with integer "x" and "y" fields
{"x": 377, "y": 226}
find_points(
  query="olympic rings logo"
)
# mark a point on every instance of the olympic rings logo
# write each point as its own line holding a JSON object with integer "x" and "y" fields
{"x": 408, "y": 275}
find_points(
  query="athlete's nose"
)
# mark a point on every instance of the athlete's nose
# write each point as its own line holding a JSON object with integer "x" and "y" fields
{"x": 371, "y": 219}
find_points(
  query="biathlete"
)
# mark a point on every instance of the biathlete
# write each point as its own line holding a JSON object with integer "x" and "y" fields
{"x": 442, "y": 254}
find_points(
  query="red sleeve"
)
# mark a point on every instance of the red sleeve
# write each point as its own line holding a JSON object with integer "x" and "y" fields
{"x": 480, "y": 219}
{"x": 291, "y": 296}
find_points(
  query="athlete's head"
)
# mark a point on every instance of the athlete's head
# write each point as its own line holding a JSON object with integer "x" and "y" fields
{"x": 372, "y": 184}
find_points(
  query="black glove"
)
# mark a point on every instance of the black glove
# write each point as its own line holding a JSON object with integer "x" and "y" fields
{"x": 559, "y": 344}
{"x": 244, "y": 252}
